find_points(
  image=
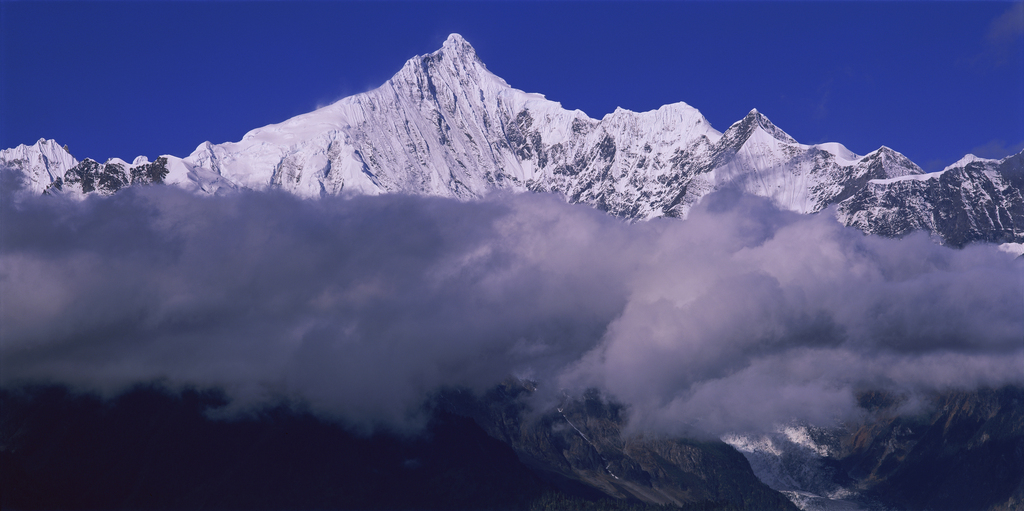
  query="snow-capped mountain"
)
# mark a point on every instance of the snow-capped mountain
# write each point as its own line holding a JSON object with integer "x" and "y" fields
{"x": 40, "y": 164}
{"x": 46, "y": 167}
{"x": 446, "y": 126}
{"x": 974, "y": 199}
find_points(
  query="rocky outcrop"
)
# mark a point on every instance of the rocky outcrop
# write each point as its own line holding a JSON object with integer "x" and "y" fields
{"x": 972, "y": 200}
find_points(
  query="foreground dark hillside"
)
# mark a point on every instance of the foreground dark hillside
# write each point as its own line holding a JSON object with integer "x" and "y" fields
{"x": 153, "y": 449}
{"x": 965, "y": 452}
{"x": 150, "y": 449}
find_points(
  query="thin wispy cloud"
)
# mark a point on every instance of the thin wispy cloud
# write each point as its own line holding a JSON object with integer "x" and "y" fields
{"x": 997, "y": 149}
{"x": 1008, "y": 27}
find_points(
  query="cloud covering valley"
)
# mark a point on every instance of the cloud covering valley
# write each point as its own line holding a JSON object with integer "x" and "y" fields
{"x": 740, "y": 317}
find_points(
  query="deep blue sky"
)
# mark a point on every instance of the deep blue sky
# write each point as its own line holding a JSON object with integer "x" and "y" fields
{"x": 932, "y": 80}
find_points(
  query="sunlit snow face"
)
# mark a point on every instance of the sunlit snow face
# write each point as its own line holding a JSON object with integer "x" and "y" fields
{"x": 738, "y": 318}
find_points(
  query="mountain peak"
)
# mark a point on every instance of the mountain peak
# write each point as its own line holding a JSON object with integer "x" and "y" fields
{"x": 40, "y": 163}
{"x": 455, "y": 65}
{"x": 891, "y": 163}
{"x": 967, "y": 160}
{"x": 760, "y": 120}
{"x": 456, "y": 44}
{"x": 455, "y": 39}
{"x": 456, "y": 56}
{"x": 741, "y": 130}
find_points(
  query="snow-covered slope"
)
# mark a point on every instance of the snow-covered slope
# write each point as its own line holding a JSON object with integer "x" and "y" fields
{"x": 763, "y": 160}
{"x": 446, "y": 126}
{"x": 39, "y": 164}
{"x": 795, "y": 460}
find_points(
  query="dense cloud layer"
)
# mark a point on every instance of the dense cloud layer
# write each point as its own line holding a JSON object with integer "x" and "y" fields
{"x": 737, "y": 318}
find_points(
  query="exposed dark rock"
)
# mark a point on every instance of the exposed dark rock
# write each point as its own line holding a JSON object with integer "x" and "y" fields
{"x": 967, "y": 452}
{"x": 581, "y": 442}
{"x": 980, "y": 201}
{"x": 154, "y": 172}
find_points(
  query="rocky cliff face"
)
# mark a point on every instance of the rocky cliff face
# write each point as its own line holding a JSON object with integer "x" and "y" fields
{"x": 974, "y": 199}
{"x": 964, "y": 451}
{"x": 106, "y": 178}
{"x": 582, "y": 443}
{"x": 961, "y": 450}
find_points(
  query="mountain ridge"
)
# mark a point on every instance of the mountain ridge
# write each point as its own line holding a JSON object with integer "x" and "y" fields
{"x": 446, "y": 126}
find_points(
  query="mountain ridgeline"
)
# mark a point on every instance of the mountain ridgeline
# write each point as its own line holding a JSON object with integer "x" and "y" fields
{"x": 445, "y": 126}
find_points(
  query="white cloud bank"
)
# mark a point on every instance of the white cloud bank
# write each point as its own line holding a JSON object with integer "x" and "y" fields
{"x": 735, "y": 319}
